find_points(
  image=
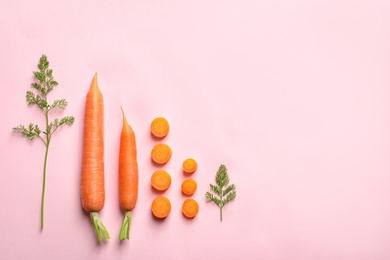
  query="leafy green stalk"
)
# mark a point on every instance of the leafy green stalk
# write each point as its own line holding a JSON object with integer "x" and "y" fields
{"x": 125, "y": 230}
{"x": 44, "y": 85}
{"x": 224, "y": 196}
{"x": 99, "y": 227}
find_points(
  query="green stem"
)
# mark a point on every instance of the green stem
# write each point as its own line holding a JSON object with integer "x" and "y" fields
{"x": 44, "y": 188}
{"x": 220, "y": 204}
{"x": 125, "y": 230}
{"x": 99, "y": 227}
{"x": 44, "y": 171}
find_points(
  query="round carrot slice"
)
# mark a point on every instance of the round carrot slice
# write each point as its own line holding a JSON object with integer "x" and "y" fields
{"x": 161, "y": 207}
{"x": 159, "y": 127}
{"x": 161, "y": 153}
{"x": 161, "y": 180}
{"x": 190, "y": 208}
{"x": 188, "y": 187}
{"x": 190, "y": 165}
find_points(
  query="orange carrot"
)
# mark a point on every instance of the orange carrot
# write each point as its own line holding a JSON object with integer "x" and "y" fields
{"x": 188, "y": 187}
{"x": 159, "y": 127}
{"x": 161, "y": 153}
{"x": 92, "y": 173}
{"x": 161, "y": 180}
{"x": 190, "y": 208}
{"x": 128, "y": 176}
{"x": 190, "y": 165}
{"x": 161, "y": 207}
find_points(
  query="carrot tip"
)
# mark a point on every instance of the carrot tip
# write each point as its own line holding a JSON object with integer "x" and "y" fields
{"x": 95, "y": 81}
{"x": 99, "y": 227}
{"x": 124, "y": 117}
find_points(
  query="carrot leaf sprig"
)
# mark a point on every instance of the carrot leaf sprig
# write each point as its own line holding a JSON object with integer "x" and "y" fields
{"x": 224, "y": 195}
{"x": 44, "y": 85}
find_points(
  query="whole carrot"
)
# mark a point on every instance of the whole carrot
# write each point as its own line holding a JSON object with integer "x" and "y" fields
{"x": 128, "y": 176}
{"x": 92, "y": 174}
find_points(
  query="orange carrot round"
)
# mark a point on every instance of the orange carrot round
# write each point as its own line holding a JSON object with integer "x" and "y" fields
{"x": 161, "y": 153}
{"x": 188, "y": 187}
{"x": 161, "y": 180}
{"x": 190, "y": 165}
{"x": 159, "y": 127}
{"x": 128, "y": 176}
{"x": 92, "y": 172}
{"x": 190, "y": 208}
{"x": 161, "y": 207}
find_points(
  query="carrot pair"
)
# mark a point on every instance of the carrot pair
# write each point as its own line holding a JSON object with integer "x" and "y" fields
{"x": 161, "y": 206}
{"x": 161, "y": 152}
{"x": 92, "y": 174}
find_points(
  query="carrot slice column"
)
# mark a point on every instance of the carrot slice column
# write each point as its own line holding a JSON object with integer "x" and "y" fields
{"x": 128, "y": 176}
{"x": 92, "y": 172}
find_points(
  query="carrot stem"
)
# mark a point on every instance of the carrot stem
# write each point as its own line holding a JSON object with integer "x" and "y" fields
{"x": 44, "y": 188}
{"x": 47, "y": 142}
{"x": 99, "y": 227}
{"x": 125, "y": 230}
{"x": 220, "y": 206}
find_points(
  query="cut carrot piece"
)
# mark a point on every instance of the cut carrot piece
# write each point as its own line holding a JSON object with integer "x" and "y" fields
{"x": 161, "y": 153}
{"x": 161, "y": 207}
{"x": 190, "y": 165}
{"x": 188, "y": 187}
{"x": 161, "y": 180}
{"x": 159, "y": 127}
{"x": 190, "y": 208}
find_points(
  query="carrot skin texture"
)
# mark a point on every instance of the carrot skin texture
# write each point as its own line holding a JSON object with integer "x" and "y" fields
{"x": 128, "y": 168}
{"x": 92, "y": 173}
{"x": 128, "y": 176}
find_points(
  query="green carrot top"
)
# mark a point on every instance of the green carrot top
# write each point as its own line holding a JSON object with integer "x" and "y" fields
{"x": 44, "y": 85}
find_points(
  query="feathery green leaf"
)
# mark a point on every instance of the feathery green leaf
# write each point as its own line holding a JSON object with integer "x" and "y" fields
{"x": 44, "y": 85}
{"x": 60, "y": 103}
{"x": 224, "y": 195}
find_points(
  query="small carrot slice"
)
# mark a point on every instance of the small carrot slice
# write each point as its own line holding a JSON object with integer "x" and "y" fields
{"x": 161, "y": 180}
{"x": 190, "y": 165}
{"x": 159, "y": 127}
{"x": 188, "y": 187}
{"x": 161, "y": 153}
{"x": 190, "y": 208}
{"x": 161, "y": 207}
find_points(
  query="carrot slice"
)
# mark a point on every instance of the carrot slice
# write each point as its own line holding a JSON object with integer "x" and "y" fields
{"x": 190, "y": 208}
{"x": 161, "y": 180}
{"x": 159, "y": 127}
{"x": 188, "y": 187}
{"x": 161, "y": 153}
{"x": 161, "y": 207}
{"x": 190, "y": 165}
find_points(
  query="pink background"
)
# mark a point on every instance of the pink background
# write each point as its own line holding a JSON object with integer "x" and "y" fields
{"x": 293, "y": 96}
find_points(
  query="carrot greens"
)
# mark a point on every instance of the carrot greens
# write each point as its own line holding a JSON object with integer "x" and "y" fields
{"x": 224, "y": 195}
{"x": 44, "y": 85}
